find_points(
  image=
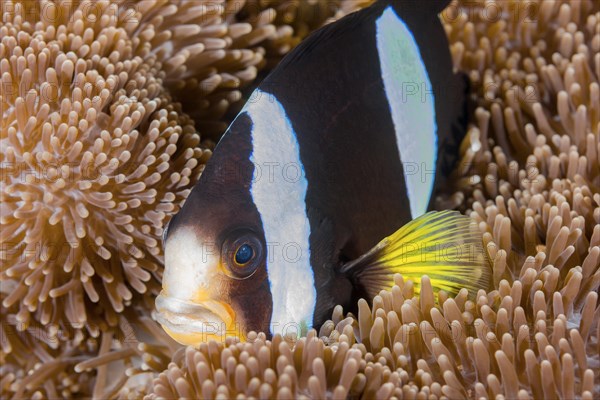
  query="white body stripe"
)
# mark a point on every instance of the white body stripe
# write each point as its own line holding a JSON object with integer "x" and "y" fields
{"x": 412, "y": 106}
{"x": 279, "y": 191}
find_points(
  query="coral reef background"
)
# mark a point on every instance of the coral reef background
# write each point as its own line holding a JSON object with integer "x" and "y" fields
{"x": 110, "y": 109}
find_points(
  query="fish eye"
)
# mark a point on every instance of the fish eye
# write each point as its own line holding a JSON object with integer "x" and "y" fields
{"x": 242, "y": 254}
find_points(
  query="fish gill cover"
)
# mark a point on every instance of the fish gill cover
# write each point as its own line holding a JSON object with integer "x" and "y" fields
{"x": 98, "y": 153}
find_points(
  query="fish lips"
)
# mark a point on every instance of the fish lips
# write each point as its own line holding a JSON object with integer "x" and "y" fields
{"x": 184, "y": 318}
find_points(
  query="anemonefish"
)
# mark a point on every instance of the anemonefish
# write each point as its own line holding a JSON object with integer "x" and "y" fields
{"x": 318, "y": 191}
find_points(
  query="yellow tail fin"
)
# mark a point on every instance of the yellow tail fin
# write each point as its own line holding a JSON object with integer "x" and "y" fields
{"x": 445, "y": 245}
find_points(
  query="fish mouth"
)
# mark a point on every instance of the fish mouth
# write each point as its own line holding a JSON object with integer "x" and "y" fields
{"x": 191, "y": 323}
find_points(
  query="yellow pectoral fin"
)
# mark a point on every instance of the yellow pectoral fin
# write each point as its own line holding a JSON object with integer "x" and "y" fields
{"x": 445, "y": 245}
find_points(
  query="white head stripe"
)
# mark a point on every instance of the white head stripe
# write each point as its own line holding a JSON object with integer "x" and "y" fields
{"x": 279, "y": 191}
{"x": 190, "y": 264}
{"x": 412, "y": 106}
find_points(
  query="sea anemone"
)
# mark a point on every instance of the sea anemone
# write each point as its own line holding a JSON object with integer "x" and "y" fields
{"x": 406, "y": 347}
{"x": 95, "y": 156}
{"x": 529, "y": 175}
